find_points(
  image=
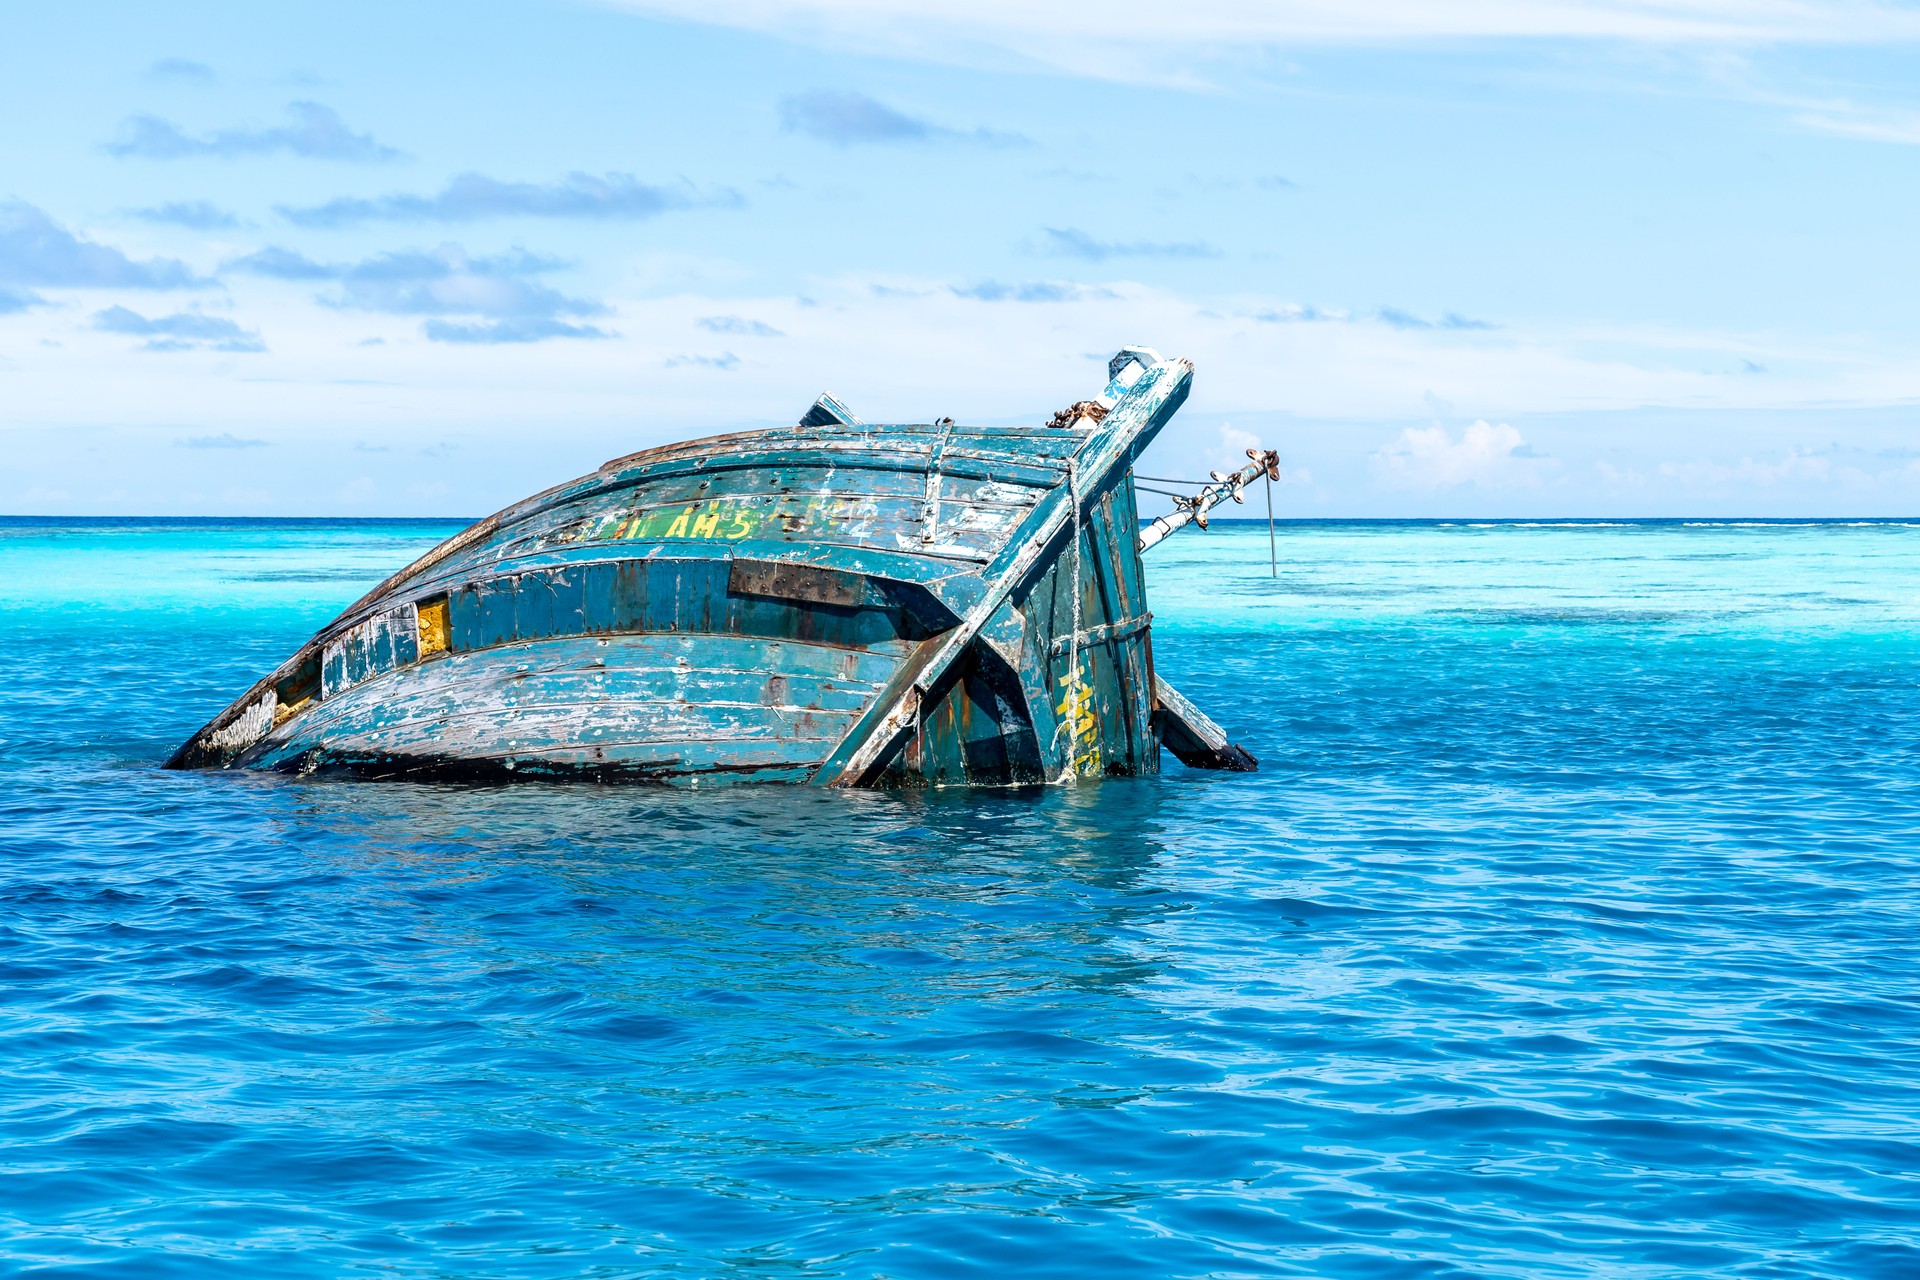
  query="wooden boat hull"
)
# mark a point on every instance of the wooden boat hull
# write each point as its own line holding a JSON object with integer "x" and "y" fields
{"x": 835, "y": 602}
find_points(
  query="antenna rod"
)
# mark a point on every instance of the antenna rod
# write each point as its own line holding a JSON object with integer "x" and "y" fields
{"x": 1194, "y": 510}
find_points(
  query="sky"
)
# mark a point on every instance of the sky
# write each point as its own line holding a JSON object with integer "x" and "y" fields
{"x": 1502, "y": 258}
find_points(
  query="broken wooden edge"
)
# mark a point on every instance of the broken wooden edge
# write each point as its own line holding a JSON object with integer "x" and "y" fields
{"x": 1195, "y": 740}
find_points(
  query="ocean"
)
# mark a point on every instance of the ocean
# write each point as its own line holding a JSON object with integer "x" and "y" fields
{"x": 1571, "y": 928}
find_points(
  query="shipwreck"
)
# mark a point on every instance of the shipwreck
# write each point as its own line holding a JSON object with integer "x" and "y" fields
{"x": 836, "y": 602}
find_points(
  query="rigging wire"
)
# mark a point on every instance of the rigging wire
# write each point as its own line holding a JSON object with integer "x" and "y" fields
{"x": 1273, "y": 547}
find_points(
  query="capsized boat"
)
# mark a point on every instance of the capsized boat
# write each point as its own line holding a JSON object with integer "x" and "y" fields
{"x": 836, "y": 602}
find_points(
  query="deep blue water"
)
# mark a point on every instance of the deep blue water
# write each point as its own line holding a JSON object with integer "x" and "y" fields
{"x": 1571, "y": 928}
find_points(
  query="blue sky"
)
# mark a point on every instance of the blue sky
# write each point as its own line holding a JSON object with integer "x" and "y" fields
{"x": 1525, "y": 258}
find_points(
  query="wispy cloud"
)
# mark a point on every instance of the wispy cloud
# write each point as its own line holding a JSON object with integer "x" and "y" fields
{"x": 13, "y": 300}
{"x": 201, "y": 215}
{"x": 1029, "y": 291}
{"x": 185, "y": 70}
{"x": 1846, "y": 119}
{"x": 739, "y": 324}
{"x": 314, "y": 131}
{"x": 1069, "y": 242}
{"x": 34, "y": 249}
{"x": 225, "y": 440}
{"x": 475, "y": 195}
{"x": 1142, "y": 40}
{"x": 496, "y": 299}
{"x": 1294, "y": 313}
{"x": 509, "y": 331}
{"x": 283, "y": 264}
{"x": 845, "y": 118}
{"x": 725, "y": 360}
{"x": 1392, "y": 317}
{"x": 1740, "y": 80}
{"x": 1395, "y": 318}
{"x": 181, "y": 331}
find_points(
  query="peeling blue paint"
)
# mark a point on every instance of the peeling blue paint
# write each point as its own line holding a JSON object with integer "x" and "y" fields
{"x": 840, "y": 603}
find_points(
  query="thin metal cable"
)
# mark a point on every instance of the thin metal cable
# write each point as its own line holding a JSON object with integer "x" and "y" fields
{"x": 1273, "y": 548}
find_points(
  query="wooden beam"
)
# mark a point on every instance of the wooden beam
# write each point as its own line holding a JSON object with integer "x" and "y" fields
{"x": 1186, "y": 731}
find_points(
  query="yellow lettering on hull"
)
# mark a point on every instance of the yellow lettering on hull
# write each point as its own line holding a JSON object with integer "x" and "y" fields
{"x": 734, "y": 518}
{"x": 1082, "y": 726}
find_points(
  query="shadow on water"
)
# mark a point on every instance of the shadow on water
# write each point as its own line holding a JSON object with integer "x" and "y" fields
{"x": 903, "y": 899}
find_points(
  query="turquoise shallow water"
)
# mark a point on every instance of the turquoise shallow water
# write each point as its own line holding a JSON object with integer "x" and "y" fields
{"x": 1570, "y": 929}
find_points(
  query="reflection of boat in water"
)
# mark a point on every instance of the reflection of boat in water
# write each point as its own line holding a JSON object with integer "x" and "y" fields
{"x": 835, "y": 602}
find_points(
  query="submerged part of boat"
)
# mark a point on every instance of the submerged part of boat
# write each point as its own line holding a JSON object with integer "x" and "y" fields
{"x": 835, "y": 602}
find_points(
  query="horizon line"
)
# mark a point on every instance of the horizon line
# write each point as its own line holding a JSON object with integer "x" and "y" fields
{"x": 1261, "y": 521}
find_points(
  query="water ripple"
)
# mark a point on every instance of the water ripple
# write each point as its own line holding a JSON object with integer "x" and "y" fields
{"x": 1568, "y": 931}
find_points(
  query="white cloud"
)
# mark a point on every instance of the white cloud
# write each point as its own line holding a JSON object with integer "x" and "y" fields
{"x": 1796, "y": 467}
{"x": 1851, "y": 120}
{"x": 1128, "y": 39}
{"x": 915, "y": 350}
{"x": 1234, "y": 444}
{"x": 1485, "y": 456}
{"x": 356, "y": 492}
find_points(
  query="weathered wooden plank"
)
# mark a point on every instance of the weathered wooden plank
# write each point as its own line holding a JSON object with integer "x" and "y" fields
{"x": 1012, "y": 636}
{"x": 1196, "y": 740}
{"x": 828, "y": 411}
{"x": 946, "y": 580}
{"x": 665, "y": 595}
{"x": 368, "y": 649}
{"x": 1096, "y": 731}
{"x": 871, "y": 458}
{"x": 892, "y": 522}
{"x": 1128, "y": 727}
{"x": 802, "y": 583}
{"x": 638, "y": 690}
{"x": 867, "y": 440}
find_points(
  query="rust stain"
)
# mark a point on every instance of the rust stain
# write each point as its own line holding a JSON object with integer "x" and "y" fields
{"x": 1067, "y": 417}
